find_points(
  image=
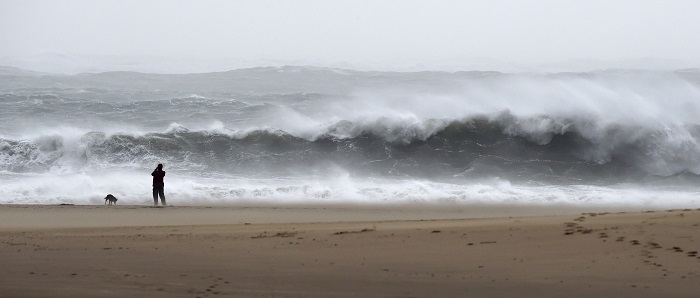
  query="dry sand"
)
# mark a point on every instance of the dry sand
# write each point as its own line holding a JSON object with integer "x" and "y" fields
{"x": 135, "y": 251}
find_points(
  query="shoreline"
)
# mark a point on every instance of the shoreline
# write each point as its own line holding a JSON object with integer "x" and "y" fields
{"x": 391, "y": 252}
{"x": 23, "y": 216}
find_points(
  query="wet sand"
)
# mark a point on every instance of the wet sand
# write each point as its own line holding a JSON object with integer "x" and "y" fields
{"x": 344, "y": 251}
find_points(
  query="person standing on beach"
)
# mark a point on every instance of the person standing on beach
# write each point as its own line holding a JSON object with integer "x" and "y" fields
{"x": 158, "y": 185}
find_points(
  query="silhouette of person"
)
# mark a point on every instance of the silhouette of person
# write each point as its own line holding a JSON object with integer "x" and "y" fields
{"x": 158, "y": 185}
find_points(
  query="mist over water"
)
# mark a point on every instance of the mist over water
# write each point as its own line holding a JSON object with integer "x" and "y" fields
{"x": 305, "y": 134}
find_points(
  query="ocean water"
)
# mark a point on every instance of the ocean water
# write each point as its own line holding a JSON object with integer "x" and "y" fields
{"x": 319, "y": 135}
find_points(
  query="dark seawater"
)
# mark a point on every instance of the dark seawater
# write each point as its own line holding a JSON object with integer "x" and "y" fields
{"x": 304, "y": 134}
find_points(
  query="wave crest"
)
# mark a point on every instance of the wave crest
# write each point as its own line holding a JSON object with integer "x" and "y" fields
{"x": 498, "y": 145}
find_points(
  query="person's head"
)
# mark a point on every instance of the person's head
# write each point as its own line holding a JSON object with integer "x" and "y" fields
{"x": 160, "y": 167}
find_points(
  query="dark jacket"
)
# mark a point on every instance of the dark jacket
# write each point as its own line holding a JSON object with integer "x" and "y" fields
{"x": 158, "y": 178}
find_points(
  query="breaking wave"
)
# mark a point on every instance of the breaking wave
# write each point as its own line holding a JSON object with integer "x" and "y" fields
{"x": 500, "y": 145}
{"x": 293, "y": 133}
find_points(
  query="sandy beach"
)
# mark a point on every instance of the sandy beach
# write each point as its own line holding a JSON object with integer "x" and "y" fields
{"x": 343, "y": 251}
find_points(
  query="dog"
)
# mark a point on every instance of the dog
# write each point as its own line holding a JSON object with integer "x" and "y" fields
{"x": 111, "y": 199}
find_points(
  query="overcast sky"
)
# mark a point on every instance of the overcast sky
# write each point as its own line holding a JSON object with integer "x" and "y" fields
{"x": 430, "y": 31}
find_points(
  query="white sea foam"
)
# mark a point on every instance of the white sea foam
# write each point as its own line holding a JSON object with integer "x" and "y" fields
{"x": 135, "y": 188}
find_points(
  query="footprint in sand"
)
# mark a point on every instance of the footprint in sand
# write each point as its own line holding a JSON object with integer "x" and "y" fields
{"x": 653, "y": 245}
{"x": 634, "y": 242}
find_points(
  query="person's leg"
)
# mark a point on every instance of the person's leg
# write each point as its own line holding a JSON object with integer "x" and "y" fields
{"x": 161, "y": 192}
{"x": 155, "y": 196}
